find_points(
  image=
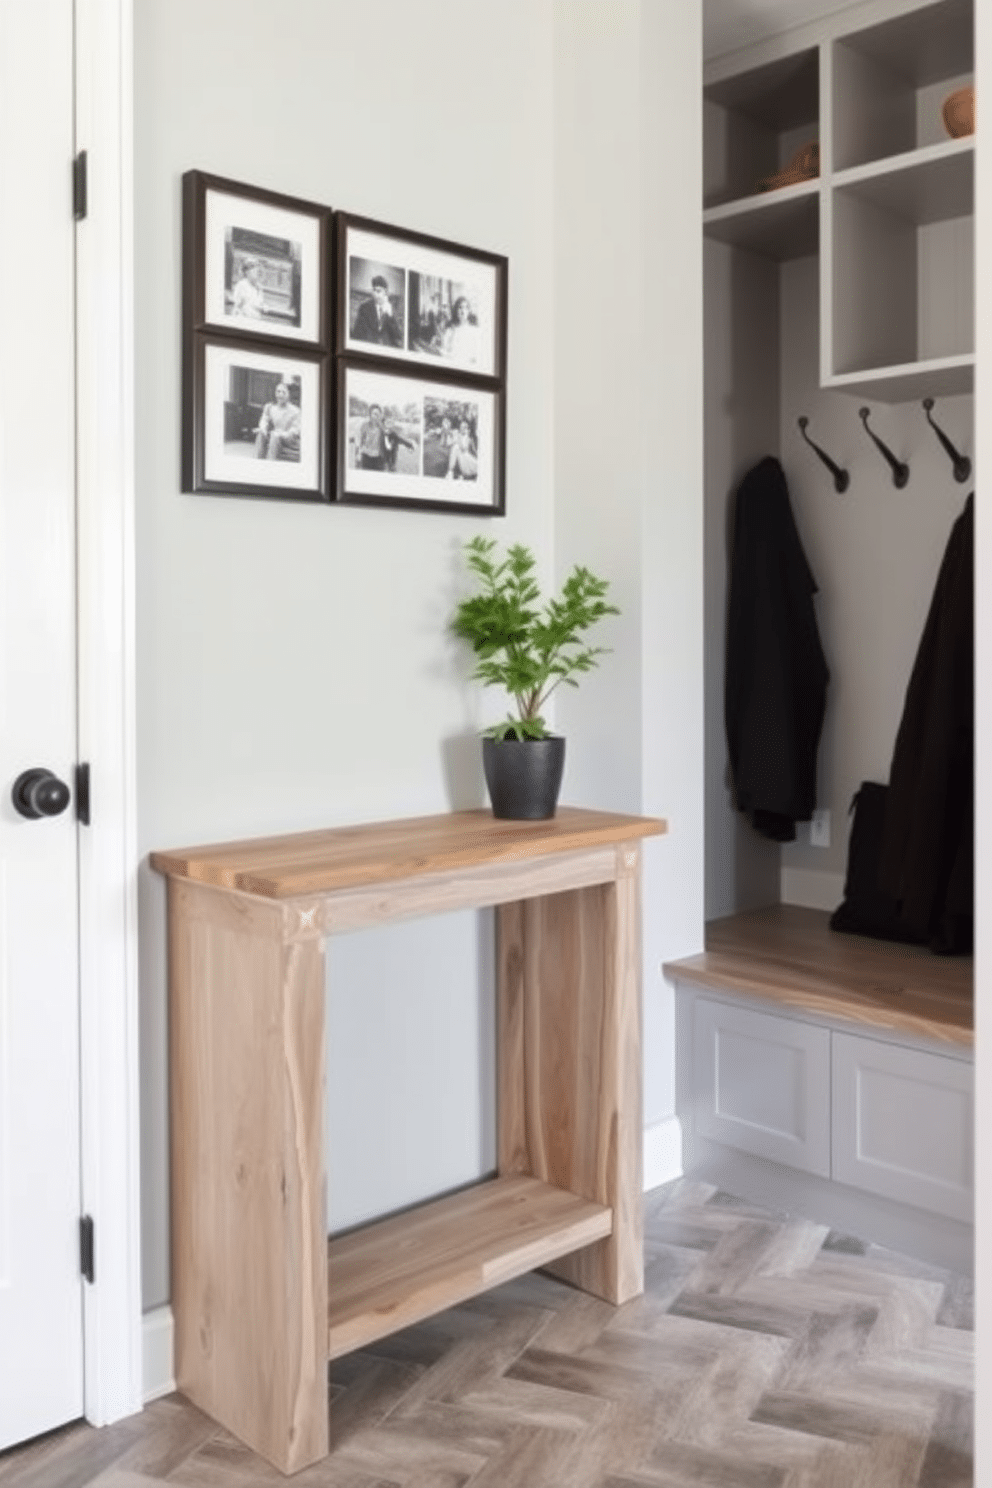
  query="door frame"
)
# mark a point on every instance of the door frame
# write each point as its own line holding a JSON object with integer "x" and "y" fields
{"x": 108, "y": 856}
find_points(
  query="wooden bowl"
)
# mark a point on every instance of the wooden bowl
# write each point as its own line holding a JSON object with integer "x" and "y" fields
{"x": 804, "y": 166}
{"x": 959, "y": 112}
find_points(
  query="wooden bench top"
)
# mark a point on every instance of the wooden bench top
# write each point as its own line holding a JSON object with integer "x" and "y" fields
{"x": 790, "y": 955}
{"x": 386, "y": 852}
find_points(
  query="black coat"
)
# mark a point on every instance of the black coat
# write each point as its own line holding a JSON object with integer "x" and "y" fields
{"x": 926, "y": 861}
{"x": 776, "y": 675}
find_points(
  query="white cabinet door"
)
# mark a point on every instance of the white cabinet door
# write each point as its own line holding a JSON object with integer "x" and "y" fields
{"x": 903, "y": 1124}
{"x": 40, "y": 1286}
{"x": 762, "y": 1084}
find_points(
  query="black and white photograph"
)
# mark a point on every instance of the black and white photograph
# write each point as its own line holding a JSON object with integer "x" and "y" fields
{"x": 257, "y": 424}
{"x": 444, "y": 320}
{"x": 262, "y": 277}
{"x": 384, "y": 427}
{"x": 376, "y": 303}
{"x": 451, "y": 438}
{"x": 419, "y": 299}
{"x": 407, "y": 442}
{"x": 255, "y": 262}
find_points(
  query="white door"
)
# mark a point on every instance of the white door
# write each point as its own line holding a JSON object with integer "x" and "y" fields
{"x": 40, "y": 1285}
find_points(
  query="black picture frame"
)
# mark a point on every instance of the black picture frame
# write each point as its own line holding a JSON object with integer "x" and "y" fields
{"x": 426, "y": 475}
{"x": 287, "y": 293}
{"x": 232, "y": 443}
{"x": 428, "y": 281}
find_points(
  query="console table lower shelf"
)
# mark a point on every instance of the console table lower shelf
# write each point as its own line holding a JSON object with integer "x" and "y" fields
{"x": 406, "y": 1268}
{"x": 261, "y": 1299}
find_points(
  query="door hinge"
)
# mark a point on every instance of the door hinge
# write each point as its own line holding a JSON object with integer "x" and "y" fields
{"x": 87, "y": 1248}
{"x": 83, "y": 794}
{"x": 79, "y": 186}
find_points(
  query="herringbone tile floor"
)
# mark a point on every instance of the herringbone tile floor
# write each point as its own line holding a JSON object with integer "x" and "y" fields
{"x": 766, "y": 1352}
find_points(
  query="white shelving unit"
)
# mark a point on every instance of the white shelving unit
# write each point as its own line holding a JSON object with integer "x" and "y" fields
{"x": 892, "y": 214}
{"x": 754, "y": 121}
{"x": 853, "y": 288}
{"x": 888, "y": 80}
{"x": 778, "y": 224}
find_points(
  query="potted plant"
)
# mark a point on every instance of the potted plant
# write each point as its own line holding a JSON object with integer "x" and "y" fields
{"x": 529, "y": 647}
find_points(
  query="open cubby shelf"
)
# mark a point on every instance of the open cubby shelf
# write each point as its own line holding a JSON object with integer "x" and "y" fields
{"x": 892, "y": 214}
{"x": 777, "y": 224}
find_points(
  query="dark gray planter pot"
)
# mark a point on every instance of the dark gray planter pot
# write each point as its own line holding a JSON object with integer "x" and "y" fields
{"x": 524, "y": 776}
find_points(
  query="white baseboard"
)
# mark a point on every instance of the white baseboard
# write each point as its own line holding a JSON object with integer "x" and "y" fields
{"x": 810, "y": 888}
{"x": 662, "y": 1152}
{"x": 157, "y": 1377}
{"x": 662, "y": 1163}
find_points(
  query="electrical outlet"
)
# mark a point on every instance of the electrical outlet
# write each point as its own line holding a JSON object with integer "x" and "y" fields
{"x": 819, "y": 829}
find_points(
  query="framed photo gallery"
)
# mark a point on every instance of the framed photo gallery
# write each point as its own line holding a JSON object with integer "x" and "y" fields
{"x": 327, "y": 357}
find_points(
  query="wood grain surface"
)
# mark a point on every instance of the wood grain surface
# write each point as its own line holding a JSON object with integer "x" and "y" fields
{"x": 250, "y": 1255}
{"x": 249, "y": 1275}
{"x": 788, "y": 954}
{"x": 569, "y": 1068}
{"x": 380, "y": 852}
{"x": 440, "y": 893}
{"x": 412, "y": 1265}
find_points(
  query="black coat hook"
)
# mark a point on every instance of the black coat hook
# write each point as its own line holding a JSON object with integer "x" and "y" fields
{"x": 961, "y": 463}
{"x": 841, "y": 478}
{"x": 900, "y": 471}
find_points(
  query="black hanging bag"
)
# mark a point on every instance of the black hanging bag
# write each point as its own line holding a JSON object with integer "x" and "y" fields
{"x": 868, "y": 909}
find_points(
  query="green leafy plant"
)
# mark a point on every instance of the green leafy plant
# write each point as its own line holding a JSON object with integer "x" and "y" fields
{"x": 523, "y": 644}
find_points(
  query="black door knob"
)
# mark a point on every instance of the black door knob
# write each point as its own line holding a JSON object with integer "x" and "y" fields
{"x": 40, "y": 793}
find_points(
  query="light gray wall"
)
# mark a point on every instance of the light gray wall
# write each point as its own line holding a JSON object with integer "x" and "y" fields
{"x": 728, "y": 24}
{"x": 742, "y": 425}
{"x": 293, "y": 665}
{"x": 875, "y": 552}
{"x": 628, "y": 446}
{"x": 671, "y": 531}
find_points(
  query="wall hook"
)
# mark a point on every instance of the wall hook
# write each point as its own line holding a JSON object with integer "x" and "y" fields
{"x": 961, "y": 463}
{"x": 900, "y": 471}
{"x": 841, "y": 478}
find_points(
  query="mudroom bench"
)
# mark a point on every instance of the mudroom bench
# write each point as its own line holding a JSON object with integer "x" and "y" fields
{"x": 832, "y": 1076}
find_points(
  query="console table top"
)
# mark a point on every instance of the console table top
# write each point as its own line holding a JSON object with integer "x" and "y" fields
{"x": 385, "y": 852}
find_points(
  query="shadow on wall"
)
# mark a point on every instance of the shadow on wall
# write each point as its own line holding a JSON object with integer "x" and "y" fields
{"x": 755, "y": 376}
{"x": 464, "y": 782}
{"x": 742, "y": 426}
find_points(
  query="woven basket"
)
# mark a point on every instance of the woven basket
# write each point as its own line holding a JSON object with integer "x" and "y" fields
{"x": 959, "y": 112}
{"x": 804, "y": 166}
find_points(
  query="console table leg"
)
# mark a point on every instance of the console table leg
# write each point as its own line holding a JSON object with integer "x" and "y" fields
{"x": 570, "y": 1062}
{"x": 249, "y": 1229}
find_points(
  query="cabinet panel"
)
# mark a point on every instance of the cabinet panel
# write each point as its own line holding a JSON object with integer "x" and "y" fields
{"x": 762, "y": 1084}
{"x": 903, "y": 1124}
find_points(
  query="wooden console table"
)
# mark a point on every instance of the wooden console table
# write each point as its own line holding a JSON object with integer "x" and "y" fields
{"x": 261, "y": 1299}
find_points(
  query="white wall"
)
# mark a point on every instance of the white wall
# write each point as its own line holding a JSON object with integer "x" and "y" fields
{"x": 875, "y": 552}
{"x": 628, "y": 447}
{"x": 741, "y": 402}
{"x": 293, "y": 666}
